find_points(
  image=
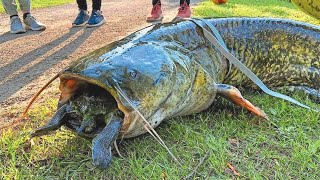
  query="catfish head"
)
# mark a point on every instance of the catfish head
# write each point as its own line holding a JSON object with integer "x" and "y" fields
{"x": 101, "y": 100}
{"x": 139, "y": 82}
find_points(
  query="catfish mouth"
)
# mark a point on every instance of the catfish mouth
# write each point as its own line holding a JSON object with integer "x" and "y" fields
{"x": 73, "y": 122}
{"x": 73, "y": 86}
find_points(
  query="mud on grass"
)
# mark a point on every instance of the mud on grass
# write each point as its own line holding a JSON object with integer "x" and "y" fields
{"x": 287, "y": 146}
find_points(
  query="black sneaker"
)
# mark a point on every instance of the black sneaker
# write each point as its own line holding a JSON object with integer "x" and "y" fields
{"x": 81, "y": 19}
{"x": 96, "y": 19}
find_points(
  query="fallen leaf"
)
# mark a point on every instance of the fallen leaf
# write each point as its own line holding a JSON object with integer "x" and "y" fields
{"x": 233, "y": 169}
{"x": 163, "y": 176}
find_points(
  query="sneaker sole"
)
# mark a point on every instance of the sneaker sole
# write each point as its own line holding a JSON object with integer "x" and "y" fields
{"x": 178, "y": 18}
{"x": 95, "y": 25}
{"x": 36, "y": 29}
{"x": 79, "y": 25}
{"x": 153, "y": 20}
{"x": 183, "y": 17}
{"x": 18, "y": 31}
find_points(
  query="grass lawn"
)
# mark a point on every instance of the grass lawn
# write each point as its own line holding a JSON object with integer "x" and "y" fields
{"x": 43, "y": 3}
{"x": 254, "y": 8}
{"x": 285, "y": 147}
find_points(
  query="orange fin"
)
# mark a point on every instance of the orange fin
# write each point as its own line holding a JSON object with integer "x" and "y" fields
{"x": 233, "y": 94}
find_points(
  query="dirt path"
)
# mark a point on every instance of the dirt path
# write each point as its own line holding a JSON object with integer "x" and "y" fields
{"x": 29, "y": 60}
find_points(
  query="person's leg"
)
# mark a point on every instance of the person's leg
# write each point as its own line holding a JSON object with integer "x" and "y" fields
{"x": 96, "y": 18}
{"x": 96, "y": 5}
{"x": 10, "y": 7}
{"x": 156, "y": 13}
{"x": 83, "y": 15}
{"x": 187, "y": 1}
{"x": 82, "y": 4}
{"x": 154, "y": 2}
{"x": 25, "y": 6}
{"x": 184, "y": 9}
{"x": 30, "y": 21}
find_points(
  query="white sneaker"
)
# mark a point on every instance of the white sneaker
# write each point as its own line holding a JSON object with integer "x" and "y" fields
{"x": 33, "y": 24}
{"x": 16, "y": 26}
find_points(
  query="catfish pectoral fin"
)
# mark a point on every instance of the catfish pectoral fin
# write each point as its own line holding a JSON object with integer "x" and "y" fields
{"x": 55, "y": 122}
{"x": 101, "y": 144}
{"x": 233, "y": 94}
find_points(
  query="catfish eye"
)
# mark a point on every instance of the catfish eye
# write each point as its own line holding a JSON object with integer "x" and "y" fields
{"x": 133, "y": 74}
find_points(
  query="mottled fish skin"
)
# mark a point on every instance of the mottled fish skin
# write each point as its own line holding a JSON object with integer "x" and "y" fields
{"x": 171, "y": 69}
{"x": 311, "y": 7}
{"x": 279, "y": 52}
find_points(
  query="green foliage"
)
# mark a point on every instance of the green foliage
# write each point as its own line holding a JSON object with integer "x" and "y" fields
{"x": 253, "y": 8}
{"x": 285, "y": 147}
{"x": 42, "y": 3}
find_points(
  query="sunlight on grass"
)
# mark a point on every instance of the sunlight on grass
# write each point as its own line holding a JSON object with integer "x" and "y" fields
{"x": 285, "y": 147}
{"x": 42, "y": 3}
{"x": 255, "y": 8}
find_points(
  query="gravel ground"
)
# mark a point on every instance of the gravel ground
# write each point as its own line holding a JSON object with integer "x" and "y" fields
{"x": 29, "y": 60}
